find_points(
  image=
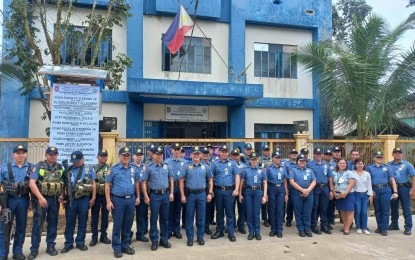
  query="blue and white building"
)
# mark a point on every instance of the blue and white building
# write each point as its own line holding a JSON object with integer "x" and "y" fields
{"x": 238, "y": 71}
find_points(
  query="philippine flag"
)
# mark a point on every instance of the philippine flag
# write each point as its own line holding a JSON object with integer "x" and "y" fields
{"x": 174, "y": 36}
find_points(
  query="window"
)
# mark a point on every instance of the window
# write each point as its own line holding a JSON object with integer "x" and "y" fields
{"x": 72, "y": 46}
{"x": 275, "y": 61}
{"x": 197, "y": 60}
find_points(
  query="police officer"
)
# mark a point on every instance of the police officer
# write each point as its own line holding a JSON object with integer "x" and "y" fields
{"x": 327, "y": 156}
{"x": 196, "y": 175}
{"x": 160, "y": 176}
{"x": 122, "y": 193}
{"x": 213, "y": 156}
{"x": 149, "y": 157}
{"x": 305, "y": 152}
{"x": 226, "y": 184}
{"x": 14, "y": 177}
{"x": 303, "y": 182}
{"x": 235, "y": 156}
{"x": 277, "y": 194}
{"x": 46, "y": 185}
{"x": 141, "y": 210}
{"x": 264, "y": 163}
{"x": 100, "y": 171}
{"x": 336, "y": 153}
{"x": 402, "y": 170}
{"x": 255, "y": 178}
{"x": 176, "y": 163}
{"x": 289, "y": 165}
{"x": 210, "y": 206}
{"x": 381, "y": 175}
{"x": 322, "y": 193}
{"x": 247, "y": 152}
{"x": 83, "y": 188}
{"x": 354, "y": 154}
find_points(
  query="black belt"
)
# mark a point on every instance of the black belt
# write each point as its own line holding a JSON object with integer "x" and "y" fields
{"x": 321, "y": 185}
{"x": 254, "y": 187}
{"x": 406, "y": 184}
{"x": 381, "y": 186}
{"x": 176, "y": 183}
{"x": 163, "y": 191}
{"x": 223, "y": 188}
{"x": 197, "y": 191}
{"x": 362, "y": 193}
{"x": 123, "y": 197}
{"x": 274, "y": 184}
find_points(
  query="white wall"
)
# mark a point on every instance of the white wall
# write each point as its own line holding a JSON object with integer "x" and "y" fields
{"x": 156, "y": 112}
{"x": 275, "y": 116}
{"x": 37, "y": 126}
{"x": 155, "y": 26}
{"x": 273, "y": 87}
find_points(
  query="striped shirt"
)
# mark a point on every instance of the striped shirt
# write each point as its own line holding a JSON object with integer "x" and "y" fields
{"x": 363, "y": 183}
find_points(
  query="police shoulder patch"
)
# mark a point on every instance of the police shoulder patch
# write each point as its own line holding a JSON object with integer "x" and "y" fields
{"x": 229, "y": 164}
{"x": 165, "y": 167}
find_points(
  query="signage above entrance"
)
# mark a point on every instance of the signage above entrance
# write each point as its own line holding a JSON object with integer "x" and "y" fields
{"x": 191, "y": 113}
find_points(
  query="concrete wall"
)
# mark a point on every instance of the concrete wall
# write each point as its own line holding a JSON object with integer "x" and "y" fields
{"x": 275, "y": 87}
{"x": 275, "y": 116}
{"x": 155, "y": 26}
{"x": 156, "y": 112}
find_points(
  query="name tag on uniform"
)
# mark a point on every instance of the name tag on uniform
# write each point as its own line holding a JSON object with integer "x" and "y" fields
{"x": 279, "y": 176}
{"x": 305, "y": 177}
{"x": 385, "y": 169}
{"x": 178, "y": 173}
{"x": 132, "y": 180}
{"x": 226, "y": 171}
{"x": 341, "y": 180}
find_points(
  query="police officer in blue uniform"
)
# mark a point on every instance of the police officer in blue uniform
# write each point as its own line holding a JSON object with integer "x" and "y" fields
{"x": 303, "y": 181}
{"x": 235, "y": 156}
{"x": 78, "y": 205}
{"x": 100, "y": 171}
{"x": 256, "y": 192}
{"x": 327, "y": 156}
{"x": 160, "y": 176}
{"x": 381, "y": 175}
{"x": 193, "y": 182}
{"x": 14, "y": 177}
{"x": 176, "y": 163}
{"x": 305, "y": 152}
{"x": 122, "y": 193}
{"x": 149, "y": 158}
{"x": 401, "y": 170}
{"x": 322, "y": 194}
{"x": 336, "y": 153}
{"x": 46, "y": 174}
{"x": 277, "y": 194}
{"x": 247, "y": 152}
{"x": 264, "y": 163}
{"x": 289, "y": 165}
{"x": 141, "y": 210}
{"x": 226, "y": 188}
{"x": 210, "y": 206}
{"x": 354, "y": 155}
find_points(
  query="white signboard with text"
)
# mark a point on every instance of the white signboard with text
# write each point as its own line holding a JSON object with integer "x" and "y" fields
{"x": 75, "y": 121}
{"x": 192, "y": 113}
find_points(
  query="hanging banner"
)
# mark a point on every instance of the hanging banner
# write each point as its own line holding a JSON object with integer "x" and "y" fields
{"x": 193, "y": 113}
{"x": 75, "y": 121}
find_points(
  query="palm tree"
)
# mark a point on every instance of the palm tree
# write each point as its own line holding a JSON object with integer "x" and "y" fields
{"x": 10, "y": 73}
{"x": 366, "y": 82}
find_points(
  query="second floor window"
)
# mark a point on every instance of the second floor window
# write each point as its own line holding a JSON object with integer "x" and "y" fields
{"x": 196, "y": 60}
{"x": 72, "y": 46}
{"x": 275, "y": 61}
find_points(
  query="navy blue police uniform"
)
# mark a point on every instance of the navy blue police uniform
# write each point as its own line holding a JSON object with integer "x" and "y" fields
{"x": 240, "y": 222}
{"x": 289, "y": 209}
{"x": 210, "y": 206}
{"x": 331, "y": 209}
{"x": 264, "y": 163}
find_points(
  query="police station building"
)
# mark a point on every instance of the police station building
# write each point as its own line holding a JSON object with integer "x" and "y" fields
{"x": 238, "y": 79}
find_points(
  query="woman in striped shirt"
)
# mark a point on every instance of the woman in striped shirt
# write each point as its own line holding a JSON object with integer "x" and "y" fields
{"x": 364, "y": 196}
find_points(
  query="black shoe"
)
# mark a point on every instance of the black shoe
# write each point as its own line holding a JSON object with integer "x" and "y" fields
{"x": 165, "y": 244}
{"x": 258, "y": 237}
{"x": 66, "y": 249}
{"x": 82, "y": 247}
{"x": 154, "y": 246}
{"x": 169, "y": 235}
{"x": 105, "y": 240}
{"x": 128, "y": 250}
{"x": 142, "y": 238}
{"x": 217, "y": 235}
{"x": 117, "y": 254}
{"x": 93, "y": 242}
{"x": 226, "y": 230}
{"x": 279, "y": 235}
{"x": 51, "y": 250}
{"x": 201, "y": 242}
{"x": 145, "y": 232}
{"x": 316, "y": 231}
{"x": 242, "y": 231}
{"x": 19, "y": 256}
{"x": 332, "y": 222}
{"x": 250, "y": 236}
{"x": 183, "y": 226}
{"x": 378, "y": 231}
{"x": 232, "y": 238}
{"x": 326, "y": 230}
{"x": 288, "y": 224}
{"x": 407, "y": 232}
{"x": 330, "y": 227}
{"x": 213, "y": 223}
{"x": 272, "y": 234}
{"x": 189, "y": 242}
{"x": 266, "y": 224}
{"x": 177, "y": 235}
{"x": 309, "y": 234}
{"x": 393, "y": 227}
{"x": 208, "y": 231}
{"x": 32, "y": 255}
{"x": 301, "y": 234}
{"x": 384, "y": 233}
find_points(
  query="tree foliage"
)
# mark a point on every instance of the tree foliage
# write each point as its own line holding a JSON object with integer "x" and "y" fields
{"x": 411, "y": 3}
{"x": 28, "y": 23}
{"x": 367, "y": 81}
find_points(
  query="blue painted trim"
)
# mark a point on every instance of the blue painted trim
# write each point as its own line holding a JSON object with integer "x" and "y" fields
{"x": 236, "y": 119}
{"x": 317, "y": 125}
{"x": 211, "y": 8}
{"x": 236, "y": 57}
{"x": 135, "y": 119}
{"x": 101, "y": 84}
{"x": 180, "y": 101}
{"x": 285, "y": 103}
{"x": 135, "y": 40}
